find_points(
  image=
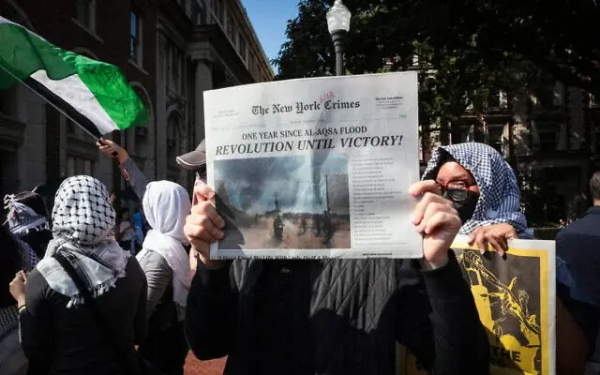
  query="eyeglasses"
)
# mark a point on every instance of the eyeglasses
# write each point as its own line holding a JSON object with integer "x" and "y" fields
{"x": 457, "y": 189}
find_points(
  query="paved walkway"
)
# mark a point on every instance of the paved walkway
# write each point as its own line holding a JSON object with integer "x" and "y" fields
{"x": 196, "y": 367}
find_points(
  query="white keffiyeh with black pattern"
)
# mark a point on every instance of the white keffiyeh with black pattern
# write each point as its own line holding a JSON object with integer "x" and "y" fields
{"x": 500, "y": 197}
{"x": 82, "y": 224}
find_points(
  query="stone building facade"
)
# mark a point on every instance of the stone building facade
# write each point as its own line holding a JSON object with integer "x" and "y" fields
{"x": 171, "y": 51}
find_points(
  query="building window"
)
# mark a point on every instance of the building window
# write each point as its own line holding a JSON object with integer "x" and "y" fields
{"x": 230, "y": 28}
{"x": 242, "y": 48}
{"x": 196, "y": 15}
{"x": 135, "y": 38}
{"x": 86, "y": 14}
{"x": 548, "y": 141}
{"x": 174, "y": 140}
{"x": 189, "y": 7}
{"x": 546, "y": 94}
{"x": 495, "y": 136}
{"x": 252, "y": 67}
{"x": 79, "y": 166}
{"x": 466, "y": 133}
{"x": 175, "y": 68}
{"x": 219, "y": 11}
{"x": 494, "y": 99}
{"x": 141, "y": 133}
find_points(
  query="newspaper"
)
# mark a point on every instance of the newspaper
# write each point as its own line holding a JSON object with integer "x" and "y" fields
{"x": 315, "y": 168}
{"x": 516, "y": 300}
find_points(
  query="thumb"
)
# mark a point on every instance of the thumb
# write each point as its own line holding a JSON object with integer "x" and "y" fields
{"x": 202, "y": 192}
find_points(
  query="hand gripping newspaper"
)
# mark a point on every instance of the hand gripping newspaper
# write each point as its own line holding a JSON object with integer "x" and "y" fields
{"x": 315, "y": 168}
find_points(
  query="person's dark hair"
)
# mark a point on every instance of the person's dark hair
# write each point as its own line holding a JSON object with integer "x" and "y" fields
{"x": 48, "y": 191}
{"x": 10, "y": 262}
{"x": 445, "y": 157}
{"x": 595, "y": 186}
{"x": 34, "y": 201}
{"x": 124, "y": 211}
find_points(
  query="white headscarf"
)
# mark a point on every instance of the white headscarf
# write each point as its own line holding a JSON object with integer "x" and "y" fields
{"x": 82, "y": 223}
{"x": 166, "y": 206}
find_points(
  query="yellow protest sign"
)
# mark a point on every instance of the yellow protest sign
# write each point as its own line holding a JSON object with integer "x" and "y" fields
{"x": 516, "y": 300}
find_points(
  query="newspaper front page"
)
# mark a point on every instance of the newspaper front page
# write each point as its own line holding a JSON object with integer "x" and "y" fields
{"x": 316, "y": 167}
{"x": 516, "y": 300}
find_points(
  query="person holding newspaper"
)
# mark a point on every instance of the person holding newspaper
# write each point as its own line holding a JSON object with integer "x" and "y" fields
{"x": 336, "y": 316}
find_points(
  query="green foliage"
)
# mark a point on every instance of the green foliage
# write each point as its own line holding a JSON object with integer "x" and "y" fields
{"x": 466, "y": 49}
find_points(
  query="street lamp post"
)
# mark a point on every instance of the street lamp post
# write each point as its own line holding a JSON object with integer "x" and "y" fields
{"x": 338, "y": 23}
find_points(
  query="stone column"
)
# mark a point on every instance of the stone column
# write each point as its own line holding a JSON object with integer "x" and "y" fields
{"x": 203, "y": 83}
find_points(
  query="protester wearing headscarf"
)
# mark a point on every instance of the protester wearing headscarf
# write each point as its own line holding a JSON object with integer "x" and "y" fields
{"x": 27, "y": 219}
{"x": 484, "y": 190}
{"x": 164, "y": 259}
{"x": 59, "y": 332}
{"x": 15, "y": 255}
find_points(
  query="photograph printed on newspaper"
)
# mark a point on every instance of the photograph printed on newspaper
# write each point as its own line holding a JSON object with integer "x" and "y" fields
{"x": 516, "y": 300}
{"x": 315, "y": 168}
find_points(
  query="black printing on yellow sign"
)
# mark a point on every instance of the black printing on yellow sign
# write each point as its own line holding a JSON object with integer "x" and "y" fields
{"x": 512, "y": 300}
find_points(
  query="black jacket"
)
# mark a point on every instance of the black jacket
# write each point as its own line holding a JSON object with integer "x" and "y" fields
{"x": 337, "y": 317}
{"x": 577, "y": 247}
{"x": 61, "y": 340}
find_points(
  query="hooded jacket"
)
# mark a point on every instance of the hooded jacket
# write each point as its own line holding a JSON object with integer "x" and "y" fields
{"x": 334, "y": 317}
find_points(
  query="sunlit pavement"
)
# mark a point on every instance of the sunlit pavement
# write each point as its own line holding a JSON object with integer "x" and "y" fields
{"x": 196, "y": 367}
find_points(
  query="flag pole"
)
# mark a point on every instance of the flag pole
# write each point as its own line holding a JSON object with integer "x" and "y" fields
{"x": 64, "y": 112}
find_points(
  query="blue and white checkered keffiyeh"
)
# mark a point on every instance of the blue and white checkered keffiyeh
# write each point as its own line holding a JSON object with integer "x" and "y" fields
{"x": 500, "y": 196}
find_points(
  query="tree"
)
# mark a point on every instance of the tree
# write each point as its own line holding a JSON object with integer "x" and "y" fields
{"x": 394, "y": 35}
{"x": 473, "y": 46}
{"x": 556, "y": 35}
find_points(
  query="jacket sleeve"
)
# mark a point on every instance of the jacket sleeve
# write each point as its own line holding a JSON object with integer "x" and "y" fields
{"x": 440, "y": 324}
{"x": 132, "y": 173}
{"x": 35, "y": 325}
{"x": 158, "y": 275}
{"x": 210, "y": 319}
{"x": 140, "y": 321}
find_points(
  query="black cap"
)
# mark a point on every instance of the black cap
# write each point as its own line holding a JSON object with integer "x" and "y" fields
{"x": 195, "y": 159}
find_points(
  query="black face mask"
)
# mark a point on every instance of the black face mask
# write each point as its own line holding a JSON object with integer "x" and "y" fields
{"x": 464, "y": 207}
